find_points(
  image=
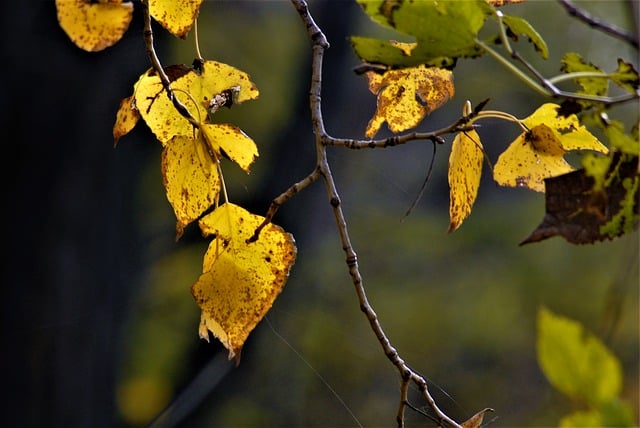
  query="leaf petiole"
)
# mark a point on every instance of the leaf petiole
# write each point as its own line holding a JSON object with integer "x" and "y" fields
{"x": 496, "y": 114}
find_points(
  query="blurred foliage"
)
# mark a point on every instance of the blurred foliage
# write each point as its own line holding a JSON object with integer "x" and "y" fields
{"x": 460, "y": 308}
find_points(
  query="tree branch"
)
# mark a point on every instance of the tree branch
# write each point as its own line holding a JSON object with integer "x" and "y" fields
{"x": 322, "y": 140}
{"x": 599, "y": 24}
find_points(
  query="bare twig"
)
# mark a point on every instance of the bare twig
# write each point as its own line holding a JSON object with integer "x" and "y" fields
{"x": 600, "y": 24}
{"x": 322, "y": 140}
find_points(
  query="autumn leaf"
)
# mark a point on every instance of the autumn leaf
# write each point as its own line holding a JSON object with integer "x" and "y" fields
{"x": 475, "y": 421}
{"x": 465, "y": 169}
{"x": 94, "y": 26}
{"x": 532, "y": 157}
{"x": 406, "y": 96}
{"x": 240, "y": 279}
{"x": 230, "y": 142}
{"x": 195, "y": 87}
{"x": 176, "y": 16}
{"x": 582, "y": 212}
{"x": 127, "y": 117}
{"x": 190, "y": 177}
{"x": 539, "y": 153}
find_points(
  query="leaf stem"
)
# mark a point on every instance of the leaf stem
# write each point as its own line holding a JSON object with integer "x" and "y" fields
{"x": 157, "y": 66}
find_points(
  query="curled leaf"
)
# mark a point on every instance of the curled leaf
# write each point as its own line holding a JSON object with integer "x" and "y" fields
{"x": 240, "y": 279}
{"x": 94, "y": 26}
{"x": 126, "y": 119}
{"x": 407, "y": 95}
{"x": 465, "y": 169}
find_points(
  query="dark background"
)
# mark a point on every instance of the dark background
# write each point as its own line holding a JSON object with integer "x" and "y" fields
{"x": 98, "y": 325}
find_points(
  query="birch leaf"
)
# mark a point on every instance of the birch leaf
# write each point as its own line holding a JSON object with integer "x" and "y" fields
{"x": 465, "y": 169}
{"x": 532, "y": 157}
{"x": 230, "y": 142}
{"x": 539, "y": 153}
{"x": 407, "y": 95}
{"x": 195, "y": 87}
{"x": 94, "y": 26}
{"x": 190, "y": 178}
{"x": 240, "y": 279}
{"x": 176, "y": 16}
{"x": 567, "y": 129}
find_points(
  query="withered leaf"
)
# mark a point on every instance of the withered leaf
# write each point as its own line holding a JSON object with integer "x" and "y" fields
{"x": 583, "y": 215}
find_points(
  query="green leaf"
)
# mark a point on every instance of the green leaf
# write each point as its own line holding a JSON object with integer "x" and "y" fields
{"x": 387, "y": 52}
{"x": 442, "y": 28}
{"x": 626, "y": 76}
{"x": 520, "y": 27}
{"x": 614, "y": 413}
{"x": 573, "y": 62}
{"x": 576, "y": 362}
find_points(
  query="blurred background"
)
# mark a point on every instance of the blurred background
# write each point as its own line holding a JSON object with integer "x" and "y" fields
{"x": 98, "y": 324}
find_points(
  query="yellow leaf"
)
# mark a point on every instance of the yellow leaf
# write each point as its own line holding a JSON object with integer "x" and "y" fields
{"x": 176, "y": 16}
{"x": 126, "y": 119}
{"x": 407, "y": 95}
{"x": 568, "y": 130}
{"x": 190, "y": 178}
{"x": 240, "y": 280}
{"x": 195, "y": 88}
{"x": 94, "y": 26}
{"x": 532, "y": 157}
{"x": 229, "y": 141}
{"x": 465, "y": 169}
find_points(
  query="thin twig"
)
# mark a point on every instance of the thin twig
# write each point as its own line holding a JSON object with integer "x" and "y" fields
{"x": 322, "y": 140}
{"x": 157, "y": 66}
{"x": 599, "y": 24}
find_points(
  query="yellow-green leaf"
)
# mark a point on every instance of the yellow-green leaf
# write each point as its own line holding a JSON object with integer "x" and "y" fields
{"x": 407, "y": 95}
{"x": 575, "y": 361}
{"x": 465, "y": 169}
{"x": 126, "y": 119}
{"x": 94, "y": 26}
{"x": 240, "y": 279}
{"x": 176, "y": 16}
{"x": 229, "y": 141}
{"x": 568, "y": 130}
{"x": 530, "y": 158}
{"x": 195, "y": 88}
{"x": 190, "y": 178}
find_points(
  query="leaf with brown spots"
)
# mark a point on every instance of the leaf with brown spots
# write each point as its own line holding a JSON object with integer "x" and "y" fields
{"x": 176, "y": 16}
{"x": 240, "y": 279}
{"x": 94, "y": 26}
{"x": 126, "y": 119}
{"x": 230, "y": 142}
{"x": 539, "y": 153}
{"x": 465, "y": 170}
{"x": 195, "y": 88}
{"x": 407, "y": 95}
{"x": 191, "y": 179}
